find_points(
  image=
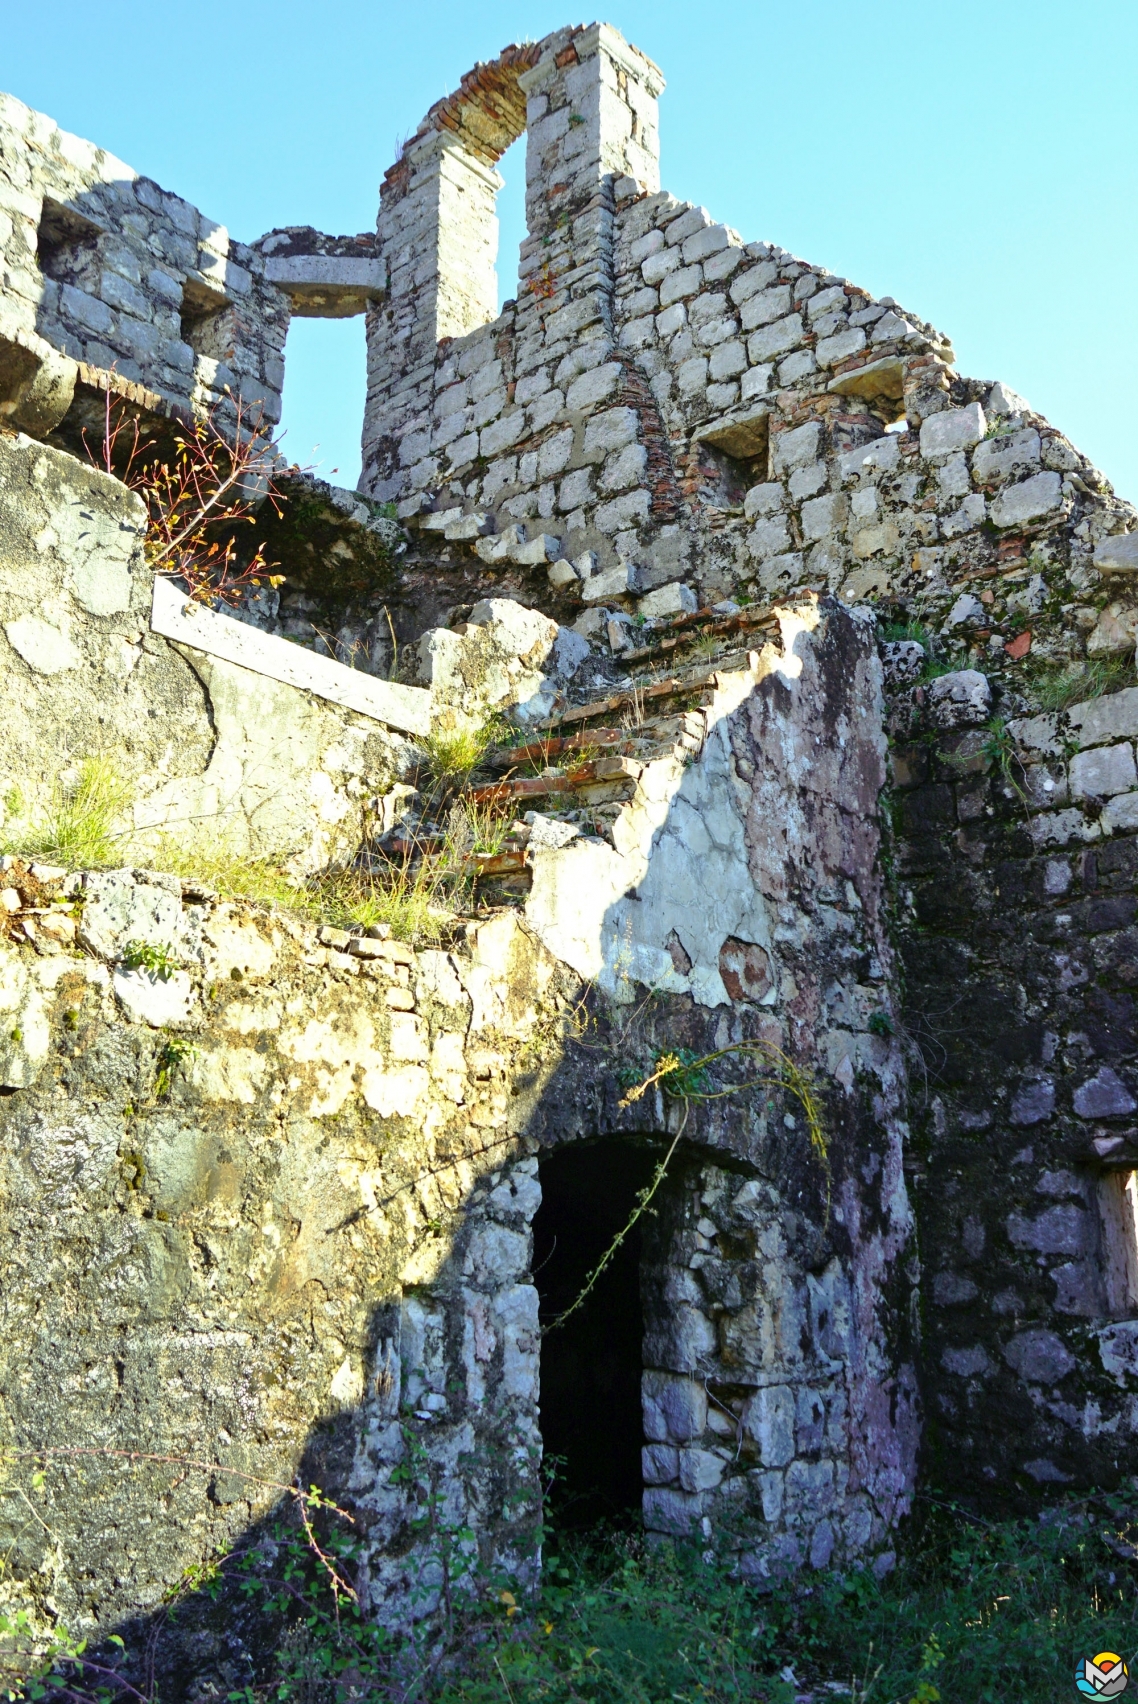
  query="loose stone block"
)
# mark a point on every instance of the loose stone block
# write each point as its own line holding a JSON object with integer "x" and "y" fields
{"x": 612, "y": 583}
{"x": 727, "y": 360}
{"x": 610, "y": 430}
{"x": 676, "y": 599}
{"x": 1104, "y": 1095}
{"x": 962, "y": 699}
{"x": 624, "y": 512}
{"x": 499, "y": 436}
{"x": 796, "y": 448}
{"x": 1118, "y": 555}
{"x": 703, "y": 243}
{"x": 658, "y": 265}
{"x": 824, "y": 515}
{"x": 1040, "y": 1357}
{"x": 768, "y": 538}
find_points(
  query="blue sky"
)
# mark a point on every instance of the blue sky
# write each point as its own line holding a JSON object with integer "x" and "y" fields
{"x": 976, "y": 160}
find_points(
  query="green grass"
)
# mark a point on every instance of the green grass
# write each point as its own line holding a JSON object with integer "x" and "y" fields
{"x": 893, "y": 630}
{"x": 414, "y": 900}
{"x": 78, "y": 828}
{"x": 1073, "y": 683}
{"x": 975, "y": 1612}
{"x": 82, "y": 831}
{"x": 452, "y": 754}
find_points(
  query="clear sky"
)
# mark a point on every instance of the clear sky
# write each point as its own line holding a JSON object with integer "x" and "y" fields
{"x": 975, "y": 159}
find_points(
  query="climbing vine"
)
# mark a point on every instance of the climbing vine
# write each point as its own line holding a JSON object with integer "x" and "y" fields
{"x": 685, "y": 1076}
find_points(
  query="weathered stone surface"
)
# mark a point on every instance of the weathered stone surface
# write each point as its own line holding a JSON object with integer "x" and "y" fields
{"x": 1104, "y": 1095}
{"x": 1118, "y": 555}
{"x": 198, "y": 746}
{"x": 1027, "y": 501}
{"x": 1103, "y": 772}
{"x": 1033, "y": 1103}
{"x": 661, "y": 414}
{"x": 953, "y": 429}
{"x": 1040, "y": 1357}
{"x": 1110, "y": 718}
{"x": 960, "y": 700}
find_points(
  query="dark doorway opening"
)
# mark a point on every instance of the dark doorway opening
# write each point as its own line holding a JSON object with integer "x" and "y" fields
{"x": 590, "y": 1366}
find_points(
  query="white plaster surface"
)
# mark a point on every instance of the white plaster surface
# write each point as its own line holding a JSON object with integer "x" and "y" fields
{"x": 405, "y": 708}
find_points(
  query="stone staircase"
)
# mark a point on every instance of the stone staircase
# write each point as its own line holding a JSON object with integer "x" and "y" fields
{"x": 583, "y": 766}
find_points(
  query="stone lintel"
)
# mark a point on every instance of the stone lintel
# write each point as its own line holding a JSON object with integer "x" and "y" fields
{"x": 406, "y": 708}
{"x": 876, "y": 378}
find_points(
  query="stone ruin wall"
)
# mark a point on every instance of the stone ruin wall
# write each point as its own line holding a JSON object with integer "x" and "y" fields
{"x": 667, "y": 420}
{"x": 306, "y": 1247}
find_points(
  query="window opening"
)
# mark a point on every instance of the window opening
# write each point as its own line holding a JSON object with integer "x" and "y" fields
{"x": 1118, "y": 1206}
{"x": 511, "y": 211}
{"x": 731, "y": 455}
{"x": 67, "y": 246}
{"x": 325, "y": 387}
{"x": 591, "y": 1365}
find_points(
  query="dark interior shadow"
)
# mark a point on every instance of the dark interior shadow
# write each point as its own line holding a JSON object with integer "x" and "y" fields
{"x": 590, "y": 1364}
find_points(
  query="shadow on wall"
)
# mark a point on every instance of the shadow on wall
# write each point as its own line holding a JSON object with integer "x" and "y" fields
{"x": 770, "y": 1360}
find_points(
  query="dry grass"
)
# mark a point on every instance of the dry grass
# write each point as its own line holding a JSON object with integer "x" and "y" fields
{"x": 417, "y": 900}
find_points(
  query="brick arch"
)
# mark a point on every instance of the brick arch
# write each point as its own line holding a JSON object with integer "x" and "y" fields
{"x": 486, "y": 113}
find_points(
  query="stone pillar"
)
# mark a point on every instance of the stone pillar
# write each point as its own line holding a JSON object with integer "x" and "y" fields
{"x": 591, "y": 119}
{"x": 438, "y": 234}
{"x": 590, "y": 109}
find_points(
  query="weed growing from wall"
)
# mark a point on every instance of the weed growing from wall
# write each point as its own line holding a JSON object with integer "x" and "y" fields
{"x": 685, "y": 1076}
{"x": 81, "y": 827}
{"x": 1058, "y": 688}
{"x": 152, "y": 956}
{"x": 209, "y": 482}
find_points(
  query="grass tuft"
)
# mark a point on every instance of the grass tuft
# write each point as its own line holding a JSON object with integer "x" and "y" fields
{"x": 414, "y": 899}
{"x": 1074, "y": 683}
{"x": 894, "y": 630}
{"x": 78, "y": 828}
{"x": 452, "y": 754}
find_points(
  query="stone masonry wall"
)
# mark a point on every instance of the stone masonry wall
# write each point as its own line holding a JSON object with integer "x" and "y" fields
{"x": 1018, "y": 893}
{"x": 115, "y": 272}
{"x": 195, "y": 750}
{"x": 671, "y": 437}
{"x": 262, "y": 1216}
{"x": 670, "y": 419}
{"x": 669, "y": 414}
{"x": 234, "y": 1197}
